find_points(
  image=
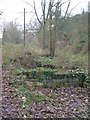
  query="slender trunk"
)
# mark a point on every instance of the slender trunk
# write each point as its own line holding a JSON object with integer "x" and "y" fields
{"x": 50, "y": 31}
{"x": 4, "y": 36}
{"x": 24, "y": 26}
{"x": 43, "y": 37}
{"x": 44, "y": 22}
{"x": 55, "y": 35}
{"x": 55, "y": 28}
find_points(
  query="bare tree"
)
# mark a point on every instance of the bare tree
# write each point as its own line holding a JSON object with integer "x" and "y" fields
{"x": 43, "y": 3}
{"x": 45, "y": 17}
{"x": 50, "y": 28}
{"x": 57, "y": 14}
{"x": 56, "y": 6}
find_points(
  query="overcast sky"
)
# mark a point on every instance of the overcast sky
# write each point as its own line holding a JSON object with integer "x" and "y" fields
{"x": 13, "y": 9}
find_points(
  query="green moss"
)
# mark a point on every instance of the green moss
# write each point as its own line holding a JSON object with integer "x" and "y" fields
{"x": 29, "y": 96}
{"x": 41, "y": 73}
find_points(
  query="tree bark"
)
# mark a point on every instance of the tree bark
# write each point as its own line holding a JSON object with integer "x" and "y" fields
{"x": 50, "y": 30}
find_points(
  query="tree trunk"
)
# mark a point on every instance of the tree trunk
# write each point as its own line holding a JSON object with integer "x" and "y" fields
{"x": 55, "y": 27}
{"x": 50, "y": 31}
{"x": 44, "y": 22}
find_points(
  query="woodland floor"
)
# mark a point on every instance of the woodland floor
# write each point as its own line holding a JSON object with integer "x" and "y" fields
{"x": 66, "y": 102}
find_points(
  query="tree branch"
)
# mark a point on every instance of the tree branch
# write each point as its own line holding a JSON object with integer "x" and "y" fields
{"x": 74, "y": 8}
{"x": 36, "y": 13}
{"x": 67, "y": 8}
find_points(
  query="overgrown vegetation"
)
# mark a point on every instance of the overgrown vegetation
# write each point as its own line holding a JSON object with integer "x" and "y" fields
{"x": 36, "y": 68}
